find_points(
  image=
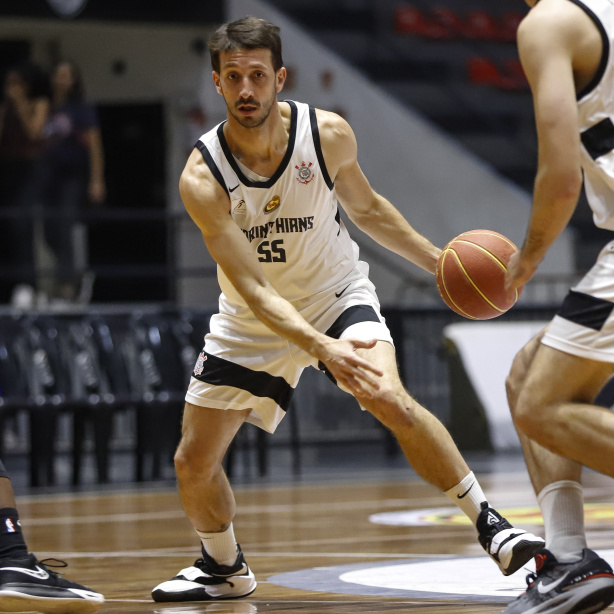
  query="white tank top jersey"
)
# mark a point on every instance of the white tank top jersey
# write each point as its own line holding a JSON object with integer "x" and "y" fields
{"x": 595, "y": 112}
{"x": 292, "y": 218}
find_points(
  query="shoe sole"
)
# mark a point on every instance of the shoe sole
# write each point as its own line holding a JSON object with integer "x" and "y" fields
{"x": 522, "y": 553}
{"x": 18, "y": 602}
{"x": 162, "y": 597}
{"x": 579, "y": 600}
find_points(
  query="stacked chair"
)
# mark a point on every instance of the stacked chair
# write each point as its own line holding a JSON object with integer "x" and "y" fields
{"x": 90, "y": 366}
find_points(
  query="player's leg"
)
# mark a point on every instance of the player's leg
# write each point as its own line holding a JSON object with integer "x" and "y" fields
{"x": 26, "y": 584}
{"x": 203, "y": 486}
{"x": 208, "y": 501}
{"x": 580, "y": 580}
{"x": 432, "y": 453}
{"x": 555, "y": 408}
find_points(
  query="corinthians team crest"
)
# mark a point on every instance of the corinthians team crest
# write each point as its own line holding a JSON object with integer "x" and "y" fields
{"x": 305, "y": 174}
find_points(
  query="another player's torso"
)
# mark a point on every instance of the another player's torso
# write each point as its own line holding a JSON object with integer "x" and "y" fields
{"x": 595, "y": 113}
{"x": 292, "y": 218}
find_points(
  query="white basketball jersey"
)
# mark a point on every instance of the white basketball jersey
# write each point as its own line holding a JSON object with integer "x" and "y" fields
{"x": 595, "y": 113}
{"x": 292, "y": 218}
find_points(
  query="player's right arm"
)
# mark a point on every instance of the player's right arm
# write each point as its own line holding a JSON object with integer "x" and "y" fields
{"x": 547, "y": 42}
{"x": 209, "y": 206}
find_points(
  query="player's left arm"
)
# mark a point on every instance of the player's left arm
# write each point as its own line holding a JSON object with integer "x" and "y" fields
{"x": 546, "y": 45}
{"x": 370, "y": 211}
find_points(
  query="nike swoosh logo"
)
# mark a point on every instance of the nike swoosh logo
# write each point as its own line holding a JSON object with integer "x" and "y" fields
{"x": 545, "y": 588}
{"x": 466, "y": 492}
{"x": 233, "y": 189}
{"x": 41, "y": 574}
{"x": 338, "y": 294}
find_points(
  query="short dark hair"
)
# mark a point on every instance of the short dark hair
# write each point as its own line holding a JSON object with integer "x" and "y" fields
{"x": 246, "y": 33}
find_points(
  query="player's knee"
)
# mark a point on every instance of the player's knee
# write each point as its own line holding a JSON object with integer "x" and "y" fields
{"x": 529, "y": 420}
{"x": 512, "y": 391}
{"x": 393, "y": 407}
{"x": 191, "y": 463}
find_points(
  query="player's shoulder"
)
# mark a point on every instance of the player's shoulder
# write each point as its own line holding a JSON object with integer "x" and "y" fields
{"x": 332, "y": 122}
{"x": 550, "y": 19}
{"x": 336, "y": 137}
{"x": 197, "y": 183}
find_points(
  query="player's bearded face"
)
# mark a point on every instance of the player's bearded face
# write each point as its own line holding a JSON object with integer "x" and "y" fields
{"x": 249, "y": 84}
{"x": 249, "y": 111}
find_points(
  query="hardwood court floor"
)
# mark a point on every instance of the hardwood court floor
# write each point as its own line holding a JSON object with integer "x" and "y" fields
{"x": 123, "y": 543}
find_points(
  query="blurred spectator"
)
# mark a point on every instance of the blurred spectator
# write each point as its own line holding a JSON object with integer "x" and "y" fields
{"x": 23, "y": 113}
{"x": 71, "y": 173}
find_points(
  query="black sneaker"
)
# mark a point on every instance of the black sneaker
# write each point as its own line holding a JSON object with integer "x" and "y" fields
{"x": 207, "y": 580}
{"x": 510, "y": 548}
{"x": 584, "y": 586}
{"x": 27, "y": 585}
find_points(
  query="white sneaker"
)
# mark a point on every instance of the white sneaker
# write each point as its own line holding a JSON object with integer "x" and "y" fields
{"x": 510, "y": 548}
{"x": 207, "y": 580}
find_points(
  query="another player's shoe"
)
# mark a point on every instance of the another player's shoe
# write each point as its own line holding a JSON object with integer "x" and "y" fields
{"x": 207, "y": 580}
{"x": 510, "y": 548}
{"x": 584, "y": 586}
{"x": 27, "y": 585}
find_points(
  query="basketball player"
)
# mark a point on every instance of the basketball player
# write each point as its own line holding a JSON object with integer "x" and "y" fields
{"x": 566, "y": 50}
{"x": 26, "y": 584}
{"x": 263, "y": 187}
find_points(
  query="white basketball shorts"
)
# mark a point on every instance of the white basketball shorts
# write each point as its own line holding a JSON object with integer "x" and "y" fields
{"x": 584, "y": 325}
{"x": 245, "y": 365}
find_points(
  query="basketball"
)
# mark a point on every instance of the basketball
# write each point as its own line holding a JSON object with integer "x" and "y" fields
{"x": 470, "y": 274}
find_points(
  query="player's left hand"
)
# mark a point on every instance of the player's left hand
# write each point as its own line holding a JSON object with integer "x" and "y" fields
{"x": 353, "y": 373}
{"x": 518, "y": 273}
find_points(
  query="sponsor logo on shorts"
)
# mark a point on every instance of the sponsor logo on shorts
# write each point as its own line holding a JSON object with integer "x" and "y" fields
{"x": 200, "y": 362}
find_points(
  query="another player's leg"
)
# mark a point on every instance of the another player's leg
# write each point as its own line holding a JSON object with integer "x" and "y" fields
{"x": 26, "y": 584}
{"x": 221, "y": 572}
{"x": 578, "y": 579}
{"x": 432, "y": 453}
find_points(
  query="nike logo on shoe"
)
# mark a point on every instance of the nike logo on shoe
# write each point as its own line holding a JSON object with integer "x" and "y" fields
{"x": 546, "y": 588}
{"x": 38, "y": 573}
{"x": 338, "y": 294}
{"x": 466, "y": 492}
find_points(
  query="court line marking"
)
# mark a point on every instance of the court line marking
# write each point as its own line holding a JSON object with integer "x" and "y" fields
{"x": 252, "y": 554}
{"x": 521, "y": 477}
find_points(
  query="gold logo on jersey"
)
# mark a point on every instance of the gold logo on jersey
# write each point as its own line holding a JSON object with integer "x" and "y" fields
{"x": 305, "y": 174}
{"x": 272, "y": 205}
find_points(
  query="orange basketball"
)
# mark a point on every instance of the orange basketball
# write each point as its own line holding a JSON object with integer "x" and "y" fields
{"x": 471, "y": 271}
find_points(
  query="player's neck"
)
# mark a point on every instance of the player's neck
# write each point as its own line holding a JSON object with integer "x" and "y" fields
{"x": 261, "y": 149}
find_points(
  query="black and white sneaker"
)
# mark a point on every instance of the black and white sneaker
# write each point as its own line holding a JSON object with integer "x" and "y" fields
{"x": 207, "y": 580}
{"x": 27, "y": 585}
{"x": 584, "y": 586}
{"x": 510, "y": 548}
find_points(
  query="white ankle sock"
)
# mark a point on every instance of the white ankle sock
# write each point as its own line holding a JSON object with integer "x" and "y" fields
{"x": 562, "y": 507}
{"x": 468, "y": 495}
{"x": 222, "y": 547}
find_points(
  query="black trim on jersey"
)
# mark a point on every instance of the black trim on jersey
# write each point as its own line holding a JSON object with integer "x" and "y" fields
{"x": 338, "y": 219}
{"x": 585, "y": 310}
{"x": 220, "y": 372}
{"x": 280, "y": 169}
{"x": 605, "y": 54}
{"x": 599, "y": 139}
{"x": 315, "y": 133}
{"x": 211, "y": 164}
{"x": 352, "y": 315}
